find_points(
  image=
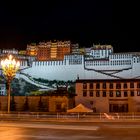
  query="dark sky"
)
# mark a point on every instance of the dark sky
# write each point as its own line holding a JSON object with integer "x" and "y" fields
{"x": 81, "y": 21}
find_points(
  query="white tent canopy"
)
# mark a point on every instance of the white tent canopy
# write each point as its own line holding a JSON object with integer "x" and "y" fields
{"x": 80, "y": 108}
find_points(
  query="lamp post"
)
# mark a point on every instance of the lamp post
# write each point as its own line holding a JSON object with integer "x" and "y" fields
{"x": 9, "y": 67}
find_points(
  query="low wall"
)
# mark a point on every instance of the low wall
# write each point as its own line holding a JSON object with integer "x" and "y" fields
{"x": 34, "y": 103}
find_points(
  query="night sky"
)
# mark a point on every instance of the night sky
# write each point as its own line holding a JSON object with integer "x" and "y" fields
{"x": 81, "y": 21}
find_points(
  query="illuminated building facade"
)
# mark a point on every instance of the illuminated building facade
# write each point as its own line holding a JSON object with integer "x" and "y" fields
{"x": 53, "y": 50}
{"x": 114, "y": 95}
{"x": 10, "y": 51}
{"x": 97, "y": 62}
{"x": 22, "y": 52}
{"x": 43, "y": 52}
{"x": 31, "y": 49}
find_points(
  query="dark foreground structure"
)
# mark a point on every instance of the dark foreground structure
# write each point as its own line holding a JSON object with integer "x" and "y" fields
{"x": 56, "y": 101}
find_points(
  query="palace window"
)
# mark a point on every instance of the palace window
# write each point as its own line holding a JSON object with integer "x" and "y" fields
{"x": 97, "y": 94}
{"x": 138, "y": 85}
{"x": 125, "y": 94}
{"x": 138, "y": 93}
{"x": 118, "y": 85}
{"x": 125, "y": 85}
{"x": 91, "y": 93}
{"x": 118, "y": 94}
{"x": 84, "y": 93}
{"x": 91, "y": 85}
{"x": 104, "y": 94}
{"x": 111, "y": 85}
{"x": 97, "y": 85}
{"x": 84, "y": 85}
{"x": 132, "y": 93}
{"x": 134, "y": 60}
{"x": 131, "y": 85}
{"x": 111, "y": 93}
{"x": 104, "y": 85}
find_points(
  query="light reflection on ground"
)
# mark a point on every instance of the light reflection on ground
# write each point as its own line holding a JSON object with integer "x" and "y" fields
{"x": 69, "y": 131}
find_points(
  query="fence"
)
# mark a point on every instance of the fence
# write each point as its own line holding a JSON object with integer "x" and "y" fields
{"x": 70, "y": 116}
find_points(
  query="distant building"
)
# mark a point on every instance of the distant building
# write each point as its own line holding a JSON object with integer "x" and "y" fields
{"x": 10, "y": 51}
{"x": 75, "y": 49}
{"x": 114, "y": 95}
{"x": 101, "y": 51}
{"x": 43, "y": 51}
{"x": 22, "y": 52}
{"x": 97, "y": 62}
{"x": 87, "y": 51}
{"x": 50, "y": 50}
{"x": 31, "y": 49}
{"x": 53, "y": 50}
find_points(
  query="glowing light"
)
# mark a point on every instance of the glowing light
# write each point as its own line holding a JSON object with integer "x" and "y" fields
{"x": 9, "y": 67}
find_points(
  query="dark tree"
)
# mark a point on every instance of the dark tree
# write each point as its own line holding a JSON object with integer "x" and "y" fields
{"x": 13, "y": 104}
{"x": 0, "y": 105}
{"x": 26, "y": 105}
{"x": 15, "y": 87}
{"x": 40, "y": 105}
{"x": 71, "y": 89}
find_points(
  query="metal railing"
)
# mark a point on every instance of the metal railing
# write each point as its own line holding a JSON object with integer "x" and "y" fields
{"x": 70, "y": 116}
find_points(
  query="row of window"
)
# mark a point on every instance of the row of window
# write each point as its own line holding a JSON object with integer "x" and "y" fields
{"x": 101, "y": 63}
{"x": 58, "y": 62}
{"x": 39, "y": 63}
{"x": 111, "y": 85}
{"x": 120, "y": 56}
{"x": 72, "y": 57}
{"x": 72, "y": 62}
{"x": 23, "y": 63}
{"x": 111, "y": 94}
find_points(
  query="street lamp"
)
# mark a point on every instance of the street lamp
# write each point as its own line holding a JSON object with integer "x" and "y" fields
{"x": 9, "y": 67}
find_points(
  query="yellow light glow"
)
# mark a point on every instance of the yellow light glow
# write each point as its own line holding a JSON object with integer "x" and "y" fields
{"x": 10, "y": 66}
